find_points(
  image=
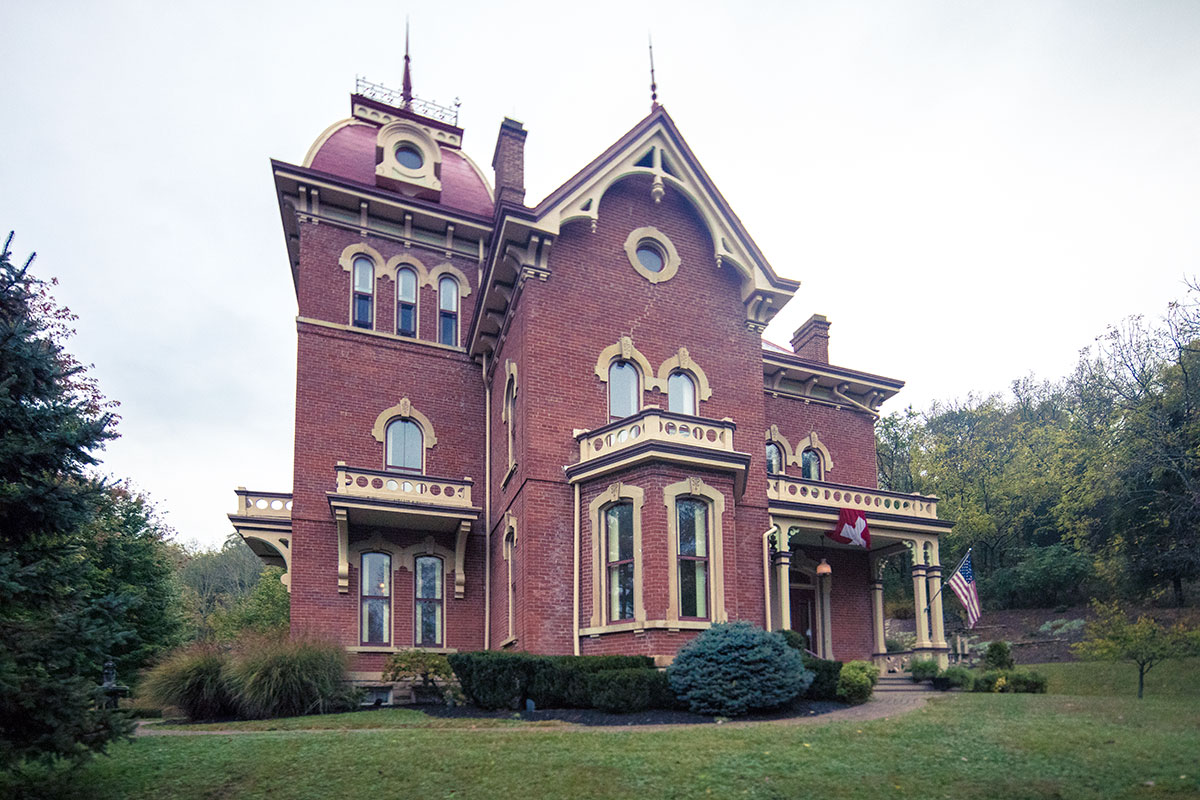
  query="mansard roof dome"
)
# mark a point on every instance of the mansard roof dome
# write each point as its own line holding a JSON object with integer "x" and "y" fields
{"x": 348, "y": 151}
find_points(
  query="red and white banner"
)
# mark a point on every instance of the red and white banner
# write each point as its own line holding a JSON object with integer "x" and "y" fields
{"x": 851, "y": 529}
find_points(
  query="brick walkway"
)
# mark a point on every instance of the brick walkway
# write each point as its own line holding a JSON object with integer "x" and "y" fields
{"x": 883, "y": 705}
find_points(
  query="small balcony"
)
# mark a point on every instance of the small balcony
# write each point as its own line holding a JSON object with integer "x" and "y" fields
{"x": 400, "y": 488}
{"x": 264, "y": 521}
{"x": 834, "y": 497}
{"x": 656, "y": 435}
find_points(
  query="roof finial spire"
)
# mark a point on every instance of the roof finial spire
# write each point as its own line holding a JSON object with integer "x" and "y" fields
{"x": 653, "y": 85}
{"x": 406, "y": 93}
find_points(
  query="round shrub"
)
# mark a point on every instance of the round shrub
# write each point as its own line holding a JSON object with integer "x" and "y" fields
{"x": 854, "y": 685}
{"x": 953, "y": 678}
{"x": 825, "y": 678}
{"x": 734, "y": 667}
{"x": 923, "y": 670}
{"x": 194, "y": 680}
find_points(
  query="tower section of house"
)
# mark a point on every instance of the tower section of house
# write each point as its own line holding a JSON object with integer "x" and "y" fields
{"x": 556, "y": 427}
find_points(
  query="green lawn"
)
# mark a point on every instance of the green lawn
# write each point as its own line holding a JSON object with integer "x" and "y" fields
{"x": 1177, "y": 678}
{"x": 388, "y": 718}
{"x": 961, "y": 746}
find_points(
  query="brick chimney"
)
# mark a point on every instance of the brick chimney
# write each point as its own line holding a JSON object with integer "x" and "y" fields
{"x": 509, "y": 163}
{"x": 811, "y": 340}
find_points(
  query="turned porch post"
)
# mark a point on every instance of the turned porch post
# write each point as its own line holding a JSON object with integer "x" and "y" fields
{"x": 877, "y": 608}
{"x": 920, "y": 598}
{"x": 938, "y": 634}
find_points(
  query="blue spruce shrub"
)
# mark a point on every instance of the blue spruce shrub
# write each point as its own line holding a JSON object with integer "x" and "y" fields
{"x": 734, "y": 667}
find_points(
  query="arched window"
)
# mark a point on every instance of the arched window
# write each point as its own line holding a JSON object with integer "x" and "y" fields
{"x": 623, "y": 390}
{"x": 448, "y": 311}
{"x": 510, "y": 550}
{"x": 681, "y": 393}
{"x": 362, "y": 303}
{"x": 692, "y": 558}
{"x": 510, "y": 414}
{"x": 428, "y": 602}
{"x": 810, "y": 464}
{"x": 618, "y": 534}
{"x": 774, "y": 459}
{"x": 376, "y": 594}
{"x": 406, "y": 302}
{"x": 405, "y": 446}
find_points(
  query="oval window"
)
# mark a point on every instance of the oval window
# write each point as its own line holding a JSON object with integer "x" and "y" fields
{"x": 651, "y": 256}
{"x": 409, "y": 156}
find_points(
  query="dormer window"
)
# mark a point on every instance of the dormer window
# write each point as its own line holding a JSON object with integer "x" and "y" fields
{"x": 409, "y": 156}
{"x": 408, "y": 160}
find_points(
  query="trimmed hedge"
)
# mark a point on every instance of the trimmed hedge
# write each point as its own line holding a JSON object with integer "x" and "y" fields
{"x": 924, "y": 670}
{"x": 998, "y": 656}
{"x": 498, "y": 680}
{"x": 825, "y": 678}
{"x": 1010, "y": 682}
{"x": 620, "y": 691}
{"x": 953, "y": 678}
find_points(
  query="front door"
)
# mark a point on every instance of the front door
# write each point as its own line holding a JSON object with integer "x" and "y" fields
{"x": 804, "y": 616}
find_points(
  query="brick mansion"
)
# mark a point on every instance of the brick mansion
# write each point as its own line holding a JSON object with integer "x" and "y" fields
{"x": 555, "y": 426}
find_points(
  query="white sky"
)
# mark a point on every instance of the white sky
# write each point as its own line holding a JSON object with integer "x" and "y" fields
{"x": 969, "y": 191}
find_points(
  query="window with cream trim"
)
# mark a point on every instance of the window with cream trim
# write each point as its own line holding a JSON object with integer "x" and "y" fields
{"x": 428, "y": 603}
{"x": 681, "y": 393}
{"x": 692, "y": 558}
{"x": 624, "y": 390}
{"x": 448, "y": 311}
{"x": 363, "y": 297}
{"x": 619, "y": 560}
{"x": 405, "y": 447}
{"x": 406, "y": 302}
{"x": 376, "y": 597}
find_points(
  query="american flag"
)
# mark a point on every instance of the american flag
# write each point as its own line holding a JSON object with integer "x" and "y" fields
{"x": 963, "y": 584}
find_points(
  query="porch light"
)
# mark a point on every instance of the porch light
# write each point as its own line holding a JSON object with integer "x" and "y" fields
{"x": 823, "y": 568}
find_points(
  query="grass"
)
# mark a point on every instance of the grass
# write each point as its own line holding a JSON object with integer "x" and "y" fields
{"x": 382, "y": 719}
{"x": 1176, "y": 678}
{"x": 961, "y": 746}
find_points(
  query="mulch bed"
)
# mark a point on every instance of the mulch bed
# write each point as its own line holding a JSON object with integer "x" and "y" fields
{"x": 591, "y": 716}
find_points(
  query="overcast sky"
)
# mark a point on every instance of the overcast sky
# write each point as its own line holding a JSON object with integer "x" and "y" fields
{"x": 969, "y": 191}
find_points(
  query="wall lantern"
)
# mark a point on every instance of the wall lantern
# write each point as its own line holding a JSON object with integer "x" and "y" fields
{"x": 823, "y": 568}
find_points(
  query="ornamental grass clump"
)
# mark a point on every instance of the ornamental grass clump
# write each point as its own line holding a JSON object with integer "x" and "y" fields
{"x": 735, "y": 667}
{"x": 194, "y": 680}
{"x": 279, "y": 677}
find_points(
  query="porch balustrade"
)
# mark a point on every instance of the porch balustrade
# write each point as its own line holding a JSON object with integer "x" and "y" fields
{"x": 264, "y": 505}
{"x": 656, "y": 425}
{"x": 381, "y": 485}
{"x": 836, "y": 496}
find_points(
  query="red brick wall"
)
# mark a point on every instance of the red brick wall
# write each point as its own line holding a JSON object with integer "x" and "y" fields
{"x": 850, "y": 601}
{"x": 849, "y": 435}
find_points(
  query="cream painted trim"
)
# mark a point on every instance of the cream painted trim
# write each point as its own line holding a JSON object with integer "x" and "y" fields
{"x": 392, "y": 135}
{"x": 342, "y": 517}
{"x": 682, "y": 362}
{"x": 811, "y": 441}
{"x": 774, "y": 436}
{"x": 404, "y": 410}
{"x": 650, "y": 624}
{"x": 576, "y": 576}
{"x": 392, "y": 269}
{"x": 615, "y": 493}
{"x": 374, "y": 676}
{"x": 407, "y": 260}
{"x": 670, "y": 262}
{"x": 281, "y": 544}
{"x": 325, "y": 136}
{"x": 696, "y": 487}
{"x": 435, "y": 275}
{"x": 381, "y": 334}
{"x": 508, "y": 414}
{"x": 346, "y": 259}
{"x": 624, "y": 350}
{"x": 510, "y": 543}
{"x": 407, "y": 557}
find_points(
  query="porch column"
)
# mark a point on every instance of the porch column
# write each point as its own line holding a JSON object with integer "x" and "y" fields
{"x": 825, "y": 591}
{"x": 877, "y": 609}
{"x": 938, "y": 632}
{"x": 920, "y": 600}
{"x": 783, "y": 579}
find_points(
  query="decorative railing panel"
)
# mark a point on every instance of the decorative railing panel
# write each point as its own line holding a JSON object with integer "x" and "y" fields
{"x": 267, "y": 505}
{"x": 382, "y": 485}
{"x": 396, "y": 99}
{"x": 656, "y": 425}
{"x": 837, "y": 496}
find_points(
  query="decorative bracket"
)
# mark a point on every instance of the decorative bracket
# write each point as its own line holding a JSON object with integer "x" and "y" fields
{"x": 342, "y": 517}
{"x": 460, "y": 558}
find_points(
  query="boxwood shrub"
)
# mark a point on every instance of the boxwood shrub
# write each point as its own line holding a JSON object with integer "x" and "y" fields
{"x": 625, "y": 690}
{"x": 734, "y": 667}
{"x": 825, "y": 678}
{"x": 1010, "y": 681}
{"x": 495, "y": 680}
{"x": 923, "y": 669}
{"x": 856, "y": 682}
{"x": 953, "y": 678}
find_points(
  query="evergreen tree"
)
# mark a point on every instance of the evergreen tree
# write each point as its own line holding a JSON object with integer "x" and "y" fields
{"x": 58, "y": 618}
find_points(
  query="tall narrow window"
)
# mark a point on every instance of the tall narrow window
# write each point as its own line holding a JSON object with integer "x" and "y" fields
{"x": 428, "y": 606}
{"x": 364, "y": 292}
{"x": 510, "y": 412}
{"x": 448, "y": 312}
{"x": 622, "y": 390}
{"x": 681, "y": 394}
{"x": 405, "y": 446}
{"x": 618, "y": 531}
{"x": 376, "y": 598}
{"x": 693, "y": 558}
{"x": 510, "y": 545}
{"x": 406, "y": 302}
{"x": 810, "y": 465}
{"x": 774, "y": 459}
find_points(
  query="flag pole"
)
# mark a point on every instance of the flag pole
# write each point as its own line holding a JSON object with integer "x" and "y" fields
{"x": 952, "y": 574}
